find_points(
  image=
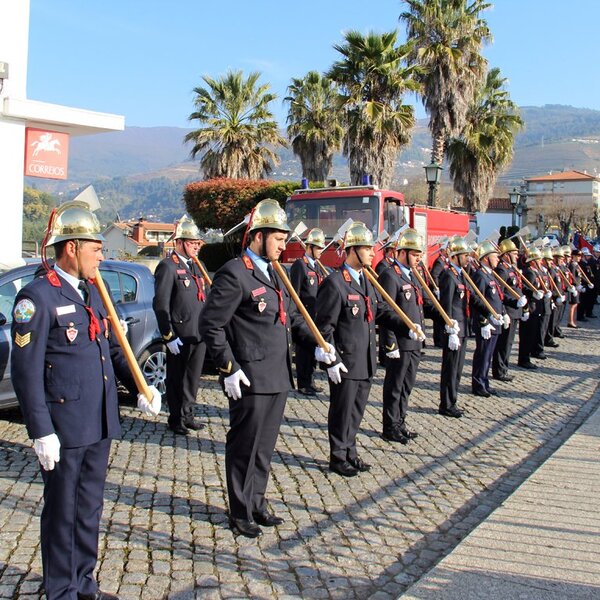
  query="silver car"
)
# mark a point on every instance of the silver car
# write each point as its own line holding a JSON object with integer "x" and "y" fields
{"x": 132, "y": 288}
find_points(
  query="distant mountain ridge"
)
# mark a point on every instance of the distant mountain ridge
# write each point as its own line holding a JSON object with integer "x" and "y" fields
{"x": 142, "y": 170}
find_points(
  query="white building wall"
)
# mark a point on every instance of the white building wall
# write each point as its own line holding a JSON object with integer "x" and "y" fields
{"x": 488, "y": 222}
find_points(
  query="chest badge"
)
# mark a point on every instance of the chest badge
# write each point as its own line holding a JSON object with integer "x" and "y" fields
{"x": 186, "y": 282}
{"x": 462, "y": 295}
{"x": 355, "y": 310}
{"x": 71, "y": 334}
{"x": 311, "y": 281}
{"x": 407, "y": 295}
{"x": 262, "y": 305}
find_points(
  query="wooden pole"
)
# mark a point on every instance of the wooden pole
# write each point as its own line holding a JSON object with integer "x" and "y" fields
{"x": 405, "y": 318}
{"x": 507, "y": 287}
{"x": 544, "y": 288}
{"x": 481, "y": 296}
{"x": 372, "y": 271}
{"x": 587, "y": 279}
{"x": 433, "y": 299}
{"x": 435, "y": 285}
{"x": 290, "y": 288}
{"x": 202, "y": 270}
{"x": 140, "y": 382}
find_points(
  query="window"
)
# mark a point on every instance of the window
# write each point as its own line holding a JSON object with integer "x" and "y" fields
{"x": 393, "y": 216}
{"x": 123, "y": 287}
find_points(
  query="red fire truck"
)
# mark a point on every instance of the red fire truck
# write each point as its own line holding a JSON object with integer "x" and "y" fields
{"x": 381, "y": 210}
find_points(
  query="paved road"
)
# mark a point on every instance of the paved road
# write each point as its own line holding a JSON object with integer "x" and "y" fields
{"x": 164, "y": 531}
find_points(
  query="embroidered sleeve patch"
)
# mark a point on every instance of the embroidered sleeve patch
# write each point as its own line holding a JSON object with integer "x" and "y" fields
{"x": 22, "y": 340}
{"x": 24, "y": 311}
{"x": 226, "y": 369}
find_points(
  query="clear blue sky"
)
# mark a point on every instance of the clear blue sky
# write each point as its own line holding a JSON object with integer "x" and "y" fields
{"x": 142, "y": 59}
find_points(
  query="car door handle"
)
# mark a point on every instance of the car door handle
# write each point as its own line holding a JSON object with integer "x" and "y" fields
{"x": 131, "y": 320}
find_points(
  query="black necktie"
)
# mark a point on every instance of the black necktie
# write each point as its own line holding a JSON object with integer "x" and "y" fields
{"x": 271, "y": 272}
{"x": 85, "y": 290}
{"x": 361, "y": 282}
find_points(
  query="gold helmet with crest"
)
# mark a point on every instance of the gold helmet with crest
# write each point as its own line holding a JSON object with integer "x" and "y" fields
{"x": 186, "y": 229}
{"x": 73, "y": 221}
{"x": 315, "y": 237}
{"x": 268, "y": 214}
{"x": 458, "y": 245}
{"x": 358, "y": 234}
{"x": 507, "y": 245}
{"x": 486, "y": 248}
{"x": 410, "y": 239}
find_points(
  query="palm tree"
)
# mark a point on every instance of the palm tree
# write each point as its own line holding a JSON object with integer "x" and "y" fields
{"x": 373, "y": 77}
{"x": 486, "y": 144}
{"x": 236, "y": 127}
{"x": 314, "y": 123}
{"x": 448, "y": 37}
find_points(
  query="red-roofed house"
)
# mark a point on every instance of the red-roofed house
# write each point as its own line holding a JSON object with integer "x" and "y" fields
{"x": 128, "y": 239}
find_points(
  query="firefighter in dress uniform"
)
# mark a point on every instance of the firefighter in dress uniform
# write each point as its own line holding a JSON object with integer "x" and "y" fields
{"x": 403, "y": 353}
{"x": 557, "y": 299}
{"x": 487, "y": 327}
{"x": 179, "y": 295}
{"x": 347, "y": 310}
{"x": 306, "y": 275}
{"x": 514, "y": 307}
{"x": 248, "y": 323}
{"x": 389, "y": 257}
{"x": 563, "y": 286}
{"x": 585, "y": 310}
{"x": 64, "y": 362}
{"x": 574, "y": 280}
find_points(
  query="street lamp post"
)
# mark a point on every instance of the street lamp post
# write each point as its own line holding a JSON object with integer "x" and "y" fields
{"x": 433, "y": 173}
{"x": 515, "y": 199}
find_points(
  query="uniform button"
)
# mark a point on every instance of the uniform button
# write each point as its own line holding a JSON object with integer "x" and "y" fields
{"x": 103, "y": 358}
{"x": 105, "y": 378}
{"x": 61, "y": 400}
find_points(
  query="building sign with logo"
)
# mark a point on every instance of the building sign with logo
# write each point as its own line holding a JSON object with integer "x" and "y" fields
{"x": 46, "y": 153}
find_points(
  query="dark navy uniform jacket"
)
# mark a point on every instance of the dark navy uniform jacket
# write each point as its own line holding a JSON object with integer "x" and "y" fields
{"x": 509, "y": 274}
{"x": 383, "y": 265}
{"x": 243, "y": 329}
{"x": 343, "y": 319}
{"x": 490, "y": 288}
{"x": 535, "y": 277}
{"x": 306, "y": 281}
{"x": 179, "y": 296}
{"x": 64, "y": 380}
{"x": 408, "y": 295}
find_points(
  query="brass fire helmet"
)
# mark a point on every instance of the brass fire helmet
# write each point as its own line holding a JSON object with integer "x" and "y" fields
{"x": 186, "y": 229}
{"x": 316, "y": 237}
{"x": 557, "y": 251}
{"x": 458, "y": 245}
{"x": 547, "y": 253}
{"x": 74, "y": 221}
{"x": 411, "y": 239}
{"x": 533, "y": 254}
{"x": 566, "y": 250}
{"x": 486, "y": 247}
{"x": 507, "y": 246}
{"x": 358, "y": 234}
{"x": 269, "y": 215}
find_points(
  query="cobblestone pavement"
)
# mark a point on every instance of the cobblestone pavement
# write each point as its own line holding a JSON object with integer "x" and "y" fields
{"x": 164, "y": 530}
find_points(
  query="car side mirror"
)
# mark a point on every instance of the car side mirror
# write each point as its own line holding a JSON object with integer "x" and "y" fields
{"x": 2, "y": 319}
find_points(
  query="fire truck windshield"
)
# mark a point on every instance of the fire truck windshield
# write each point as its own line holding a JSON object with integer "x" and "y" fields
{"x": 329, "y": 214}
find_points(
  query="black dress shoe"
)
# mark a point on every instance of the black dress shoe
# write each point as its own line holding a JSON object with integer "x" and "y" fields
{"x": 194, "y": 425}
{"x": 552, "y": 345}
{"x": 504, "y": 378}
{"x": 527, "y": 365}
{"x": 481, "y": 393}
{"x": 179, "y": 429}
{"x": 407, "y": 433}
{"x": 560, "y": 336}
{"x": 591, "y": 316}
{"x": 307, "y": 391}
{"x": 359, "y": 464}
{"x": 315, "y": 389}
{"x": 451, "y": 412}
{"x": 540, "y": 356}
{"x": 395, "y": 435}
{"x": 343, "y": 468}
{"x": 244, "y": 527}
{"x": 266, "y": 519}
{"x": 492, "y": 392}
{"x": 99, "y": 595}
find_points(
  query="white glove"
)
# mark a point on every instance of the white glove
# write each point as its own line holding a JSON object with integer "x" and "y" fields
{"x": 580, "y": 289}
{"x": 548, "y": 294}
{"x": 525, "y": 316}
{"x": 506, "y": 320}
{"x": 583, "y": 289}
{"x": 572, "y": 290}
{"x": 499, "y": 322}
{"x": 150, "y": 407}
{"x": 453, "y": 342}
{"x": 173, "y": 346}
{"x": 418, "y": 336}
{"x": 552, "y": 305}
{"x": 559, "y": 300}
{"x": 393, "y": 354}
{"x": 522, "y": 301}
{"x": 436, "y": 293}
{"x": 486, "y": 331}
{"x": 47, "y": 449}
{"x": 124, "y": 326}
{"x": 334, "y": 373}
{"x": 325, "y": 357}
{"x": 538, "y": 294}
{"x": 232, "y": 384}
{"x": 591, "y": 286}
{"x": 455, "y": 329}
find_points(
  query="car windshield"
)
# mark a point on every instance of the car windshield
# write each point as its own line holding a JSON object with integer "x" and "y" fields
{"x": 329, "y": 214}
